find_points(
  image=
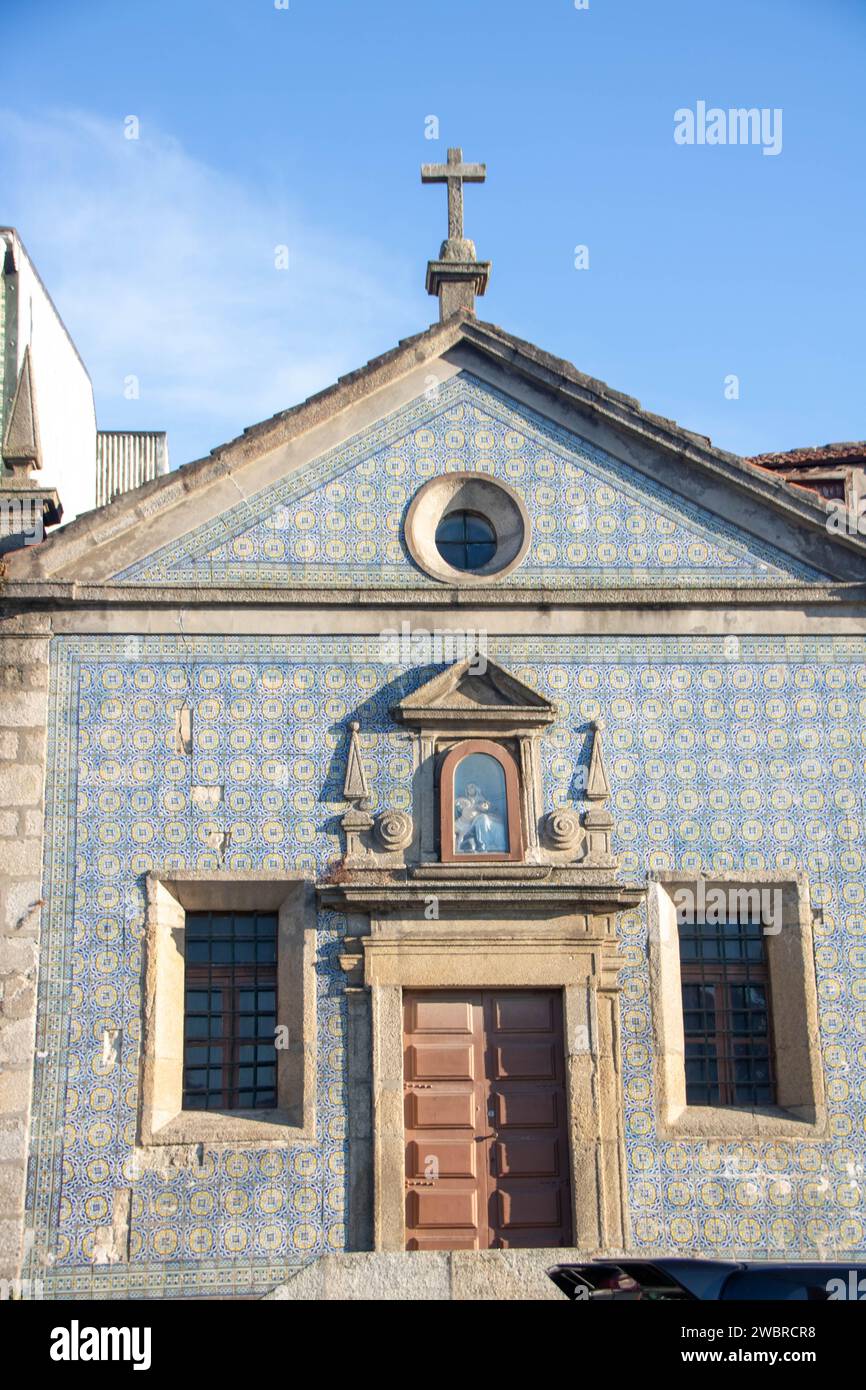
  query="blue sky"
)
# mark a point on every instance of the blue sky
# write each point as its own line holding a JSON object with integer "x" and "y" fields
{"x": 305, "y": 127}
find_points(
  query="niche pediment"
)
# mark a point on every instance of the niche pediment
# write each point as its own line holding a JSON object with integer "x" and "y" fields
{"x": 475, "y": 694}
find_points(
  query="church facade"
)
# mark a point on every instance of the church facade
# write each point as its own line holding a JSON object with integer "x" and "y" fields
{"x": 433, "y": 823}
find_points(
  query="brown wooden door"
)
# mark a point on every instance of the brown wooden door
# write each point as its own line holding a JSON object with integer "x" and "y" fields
{"x": 485, "y": 1116}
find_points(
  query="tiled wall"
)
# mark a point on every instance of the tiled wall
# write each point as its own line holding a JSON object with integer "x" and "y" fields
{"x": 722, "y": 754}
{"x": 339, "y": 521}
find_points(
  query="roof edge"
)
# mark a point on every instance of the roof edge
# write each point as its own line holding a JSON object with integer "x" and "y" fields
{"x": 554, "y": 375}
{"x": 141, "y": 503}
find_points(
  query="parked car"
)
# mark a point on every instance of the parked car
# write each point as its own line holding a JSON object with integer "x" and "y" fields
{"x": 714, "y": 1280}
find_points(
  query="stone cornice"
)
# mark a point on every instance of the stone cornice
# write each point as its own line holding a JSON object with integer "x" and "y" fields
{"x": 538, "y": 888}
{"x": 47, "y": 594}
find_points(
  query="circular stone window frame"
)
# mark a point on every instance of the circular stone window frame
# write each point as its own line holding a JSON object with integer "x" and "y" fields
{"x": 464, "y": 491}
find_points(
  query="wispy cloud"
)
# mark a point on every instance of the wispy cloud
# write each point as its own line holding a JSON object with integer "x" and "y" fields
{"x": 163, "y": 268}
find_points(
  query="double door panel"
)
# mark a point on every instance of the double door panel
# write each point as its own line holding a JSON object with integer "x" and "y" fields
{"x": 487, "y": 1164}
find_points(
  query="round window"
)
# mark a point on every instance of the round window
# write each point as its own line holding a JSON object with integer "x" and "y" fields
{"x": 465, "y": 540}
{"x": 467, "y": 528}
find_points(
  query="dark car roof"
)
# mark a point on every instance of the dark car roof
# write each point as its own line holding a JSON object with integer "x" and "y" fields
{"x": 704, "y": 1279}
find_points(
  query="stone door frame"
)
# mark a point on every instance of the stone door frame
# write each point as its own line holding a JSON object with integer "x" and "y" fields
{"x": 578, "y": 956}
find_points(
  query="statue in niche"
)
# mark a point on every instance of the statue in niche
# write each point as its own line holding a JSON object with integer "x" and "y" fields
{"x": 480, "y": 807}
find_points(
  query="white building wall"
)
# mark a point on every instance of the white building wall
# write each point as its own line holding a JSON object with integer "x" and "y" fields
{"x": 64, "y": 395}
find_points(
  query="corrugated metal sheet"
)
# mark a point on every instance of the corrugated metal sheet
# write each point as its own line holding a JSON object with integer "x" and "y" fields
{"x": 127, "y": 458}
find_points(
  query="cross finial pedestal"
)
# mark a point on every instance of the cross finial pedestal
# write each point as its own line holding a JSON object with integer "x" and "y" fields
{"x": 458, "y": 275}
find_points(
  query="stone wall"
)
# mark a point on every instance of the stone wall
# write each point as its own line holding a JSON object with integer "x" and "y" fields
{"x": 23, "y": 707}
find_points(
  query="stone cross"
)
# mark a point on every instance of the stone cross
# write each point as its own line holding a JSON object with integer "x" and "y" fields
{"x": 455, "y": 173}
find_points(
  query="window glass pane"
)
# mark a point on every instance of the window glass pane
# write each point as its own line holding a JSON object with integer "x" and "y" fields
{"x": 230, "y": 1000}
{"x": 466, "y": 540}
{"x": 480, "y": 806}
{"x": 450, "y": 528}
{"x": 726, "y": 1013}
{"x": 478, "y": 531}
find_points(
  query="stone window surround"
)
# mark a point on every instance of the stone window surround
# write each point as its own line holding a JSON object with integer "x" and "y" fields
{"x": 800, "y": 1111}
{"x": 478, "y": 492}
{"x": 452, "y": 758}
{"x": 170, "y": 895}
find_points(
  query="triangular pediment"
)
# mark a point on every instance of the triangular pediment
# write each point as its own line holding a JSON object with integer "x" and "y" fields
{"x": 339, "y": 522}
{"x": 472, "y": 691}
{"x": 317, "y": 498}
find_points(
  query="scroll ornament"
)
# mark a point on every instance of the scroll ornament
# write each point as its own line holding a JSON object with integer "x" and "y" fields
{"x": 562, "y": 829}
{"x": 394, "y": 830}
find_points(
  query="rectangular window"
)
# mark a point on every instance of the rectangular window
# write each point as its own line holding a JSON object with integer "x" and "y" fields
{"x": 230, "y": 1011}
{"x": 726, "y": 1014}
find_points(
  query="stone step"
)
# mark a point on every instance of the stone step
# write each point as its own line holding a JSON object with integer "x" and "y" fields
{"x": 441, "y": 1275}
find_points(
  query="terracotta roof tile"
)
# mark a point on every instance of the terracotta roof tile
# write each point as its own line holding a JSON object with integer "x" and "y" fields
{"x": 850, "y": 452}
